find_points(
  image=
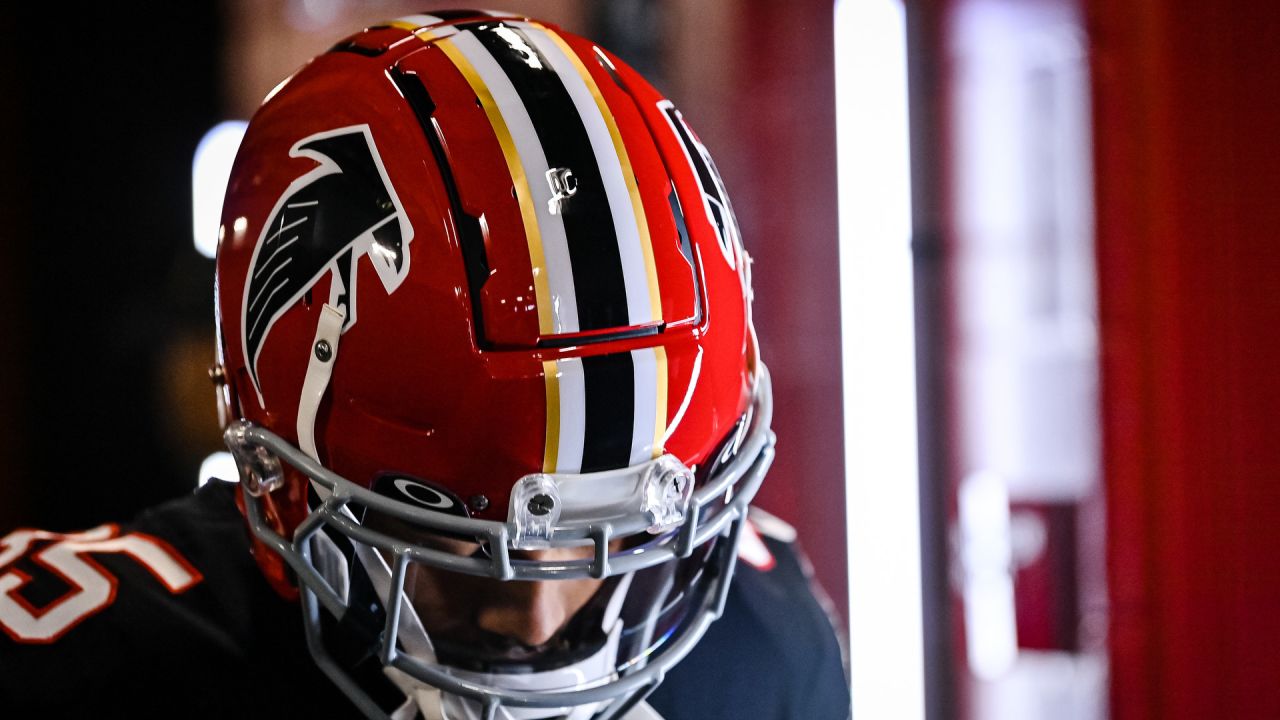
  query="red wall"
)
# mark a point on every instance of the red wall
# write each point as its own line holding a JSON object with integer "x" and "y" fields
{"x": 765, "y": 105}
{"x": 1187, "y": 137}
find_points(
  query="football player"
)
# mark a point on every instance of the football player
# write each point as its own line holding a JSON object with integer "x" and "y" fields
{"x": 486, "y": 363}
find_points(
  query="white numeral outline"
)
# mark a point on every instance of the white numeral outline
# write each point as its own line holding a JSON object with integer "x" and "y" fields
{"x": 92, "y": 588}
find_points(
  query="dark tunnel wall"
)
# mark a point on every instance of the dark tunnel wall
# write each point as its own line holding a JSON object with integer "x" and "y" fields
{"x": 99, "y": 274}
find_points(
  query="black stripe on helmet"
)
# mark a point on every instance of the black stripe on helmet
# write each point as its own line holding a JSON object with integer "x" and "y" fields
{"x": 686, "y": 249}
{"x": 708, "y": 177}
{"x": 459, "y": 14}
{"x": 358, "y": 49}
{"x": 577, "y": 339}
{"x": 470, "y": 235}
{"x": 609, "y": 384}
{"x": 588, "y": 221}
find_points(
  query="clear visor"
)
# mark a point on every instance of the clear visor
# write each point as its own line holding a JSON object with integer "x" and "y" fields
{"x": 593, "y": 587}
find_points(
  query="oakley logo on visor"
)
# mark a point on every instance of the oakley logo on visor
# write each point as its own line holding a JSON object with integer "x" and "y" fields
{"x": 416, "y": 492}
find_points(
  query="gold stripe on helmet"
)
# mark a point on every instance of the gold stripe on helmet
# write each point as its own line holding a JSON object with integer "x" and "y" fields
{"x": 518, "y": 179}
{"x": 551, "y": 376}
{"x": 660, "y": 414}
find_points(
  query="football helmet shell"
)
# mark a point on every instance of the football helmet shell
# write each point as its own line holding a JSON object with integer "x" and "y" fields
{"x": 476, "y": 273}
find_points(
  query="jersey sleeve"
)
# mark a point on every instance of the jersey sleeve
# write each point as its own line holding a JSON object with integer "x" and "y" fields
{"x": 165, "y": 616}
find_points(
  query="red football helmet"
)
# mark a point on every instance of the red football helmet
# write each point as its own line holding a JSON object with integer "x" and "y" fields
{"x": 479, "y": 285}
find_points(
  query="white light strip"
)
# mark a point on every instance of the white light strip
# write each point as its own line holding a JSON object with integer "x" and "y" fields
{"x": 210, "y": 170}
{"x": 986, "y": 551}
{"x": 878, "y": 345}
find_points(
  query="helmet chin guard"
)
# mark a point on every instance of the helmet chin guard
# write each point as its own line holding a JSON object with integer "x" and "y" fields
{"x": 592, "y": 508}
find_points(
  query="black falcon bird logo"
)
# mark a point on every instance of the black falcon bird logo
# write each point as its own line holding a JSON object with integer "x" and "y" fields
{"x": 324, "y": 222}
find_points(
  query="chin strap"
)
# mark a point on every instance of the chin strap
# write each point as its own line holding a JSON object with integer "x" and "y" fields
{"x": 324, "y": 352}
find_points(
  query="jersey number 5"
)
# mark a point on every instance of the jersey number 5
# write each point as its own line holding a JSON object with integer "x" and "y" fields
{"x": 92, "y": 587}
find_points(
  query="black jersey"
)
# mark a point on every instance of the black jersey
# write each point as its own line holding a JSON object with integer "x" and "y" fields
{"x": 170, "y": 617}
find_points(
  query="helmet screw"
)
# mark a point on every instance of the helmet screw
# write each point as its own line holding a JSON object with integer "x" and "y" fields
{"x": 478, "y": 502}
{"x": 324, "y": 351}
{"x": 217, "y": 375}
{"x": 541, "y": 504}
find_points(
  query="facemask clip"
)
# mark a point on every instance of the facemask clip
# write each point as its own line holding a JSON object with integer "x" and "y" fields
{"x": 260, "y": 471}
{"x": 535, "y": 510}
{"x": 668, "y": 485}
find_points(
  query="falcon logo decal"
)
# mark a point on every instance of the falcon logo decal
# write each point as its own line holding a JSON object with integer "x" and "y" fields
{"x": 715, "y": 199}
{"x": 325, "y": 222}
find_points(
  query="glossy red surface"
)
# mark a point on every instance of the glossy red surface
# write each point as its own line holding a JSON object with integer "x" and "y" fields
{"x": 413, "y": 390}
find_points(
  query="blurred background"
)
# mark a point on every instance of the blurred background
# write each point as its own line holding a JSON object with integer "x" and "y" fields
{"x": 1017, "y": 277}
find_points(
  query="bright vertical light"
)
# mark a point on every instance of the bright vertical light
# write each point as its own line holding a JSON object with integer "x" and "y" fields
{"x": 986, "y": 553}
{"x": 210, "y": 170}
{"x": 878, "y": 344}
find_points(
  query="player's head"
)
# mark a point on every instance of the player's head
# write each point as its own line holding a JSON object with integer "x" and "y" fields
{"x": 488, "y": 367}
